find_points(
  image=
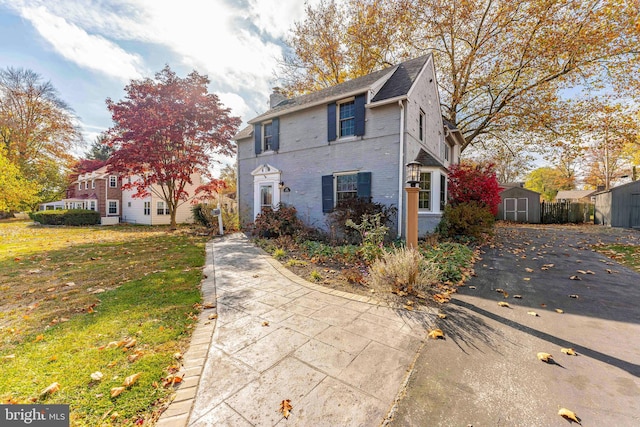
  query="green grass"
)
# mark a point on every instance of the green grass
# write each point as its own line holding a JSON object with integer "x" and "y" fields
{"x": 51, "y": 332}
{"x": 628, "y": 255}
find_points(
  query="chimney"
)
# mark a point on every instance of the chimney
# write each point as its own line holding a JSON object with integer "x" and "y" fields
{"x": 276, "y": 97}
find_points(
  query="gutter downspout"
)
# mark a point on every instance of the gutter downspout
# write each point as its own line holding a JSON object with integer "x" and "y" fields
{"x": 401, "y": 169}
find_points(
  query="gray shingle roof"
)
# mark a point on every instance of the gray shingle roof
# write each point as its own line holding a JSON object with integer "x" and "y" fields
{"x": 426, "y": 159}
{"x": 400, "y": 78}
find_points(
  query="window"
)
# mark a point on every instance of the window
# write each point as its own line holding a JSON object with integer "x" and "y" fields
{"x": 92, "y": 205}
{"x": 446, "y": 151}
{"x": 86, "y": 185}
{"x": 346, "y": 187}
{"x": 266, "y": 196}
{"x": 424, "y": 197}
{"x": 421, "y": 122}
{"x": 347, "y": 119}
{"x": 93, "y": 184}
{"x": 443, "y": 192}
{"x": 147, "y": 208}
{"x": 112, "y": 207}
{"x": 128, "y": 204}
{"x": 267, "y": 139}
{"x": 162, "y": 208}
{"x": 79, "y": 186}
{"x": 113, "y": 181}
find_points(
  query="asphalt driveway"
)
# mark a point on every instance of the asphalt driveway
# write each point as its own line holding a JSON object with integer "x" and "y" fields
{"x": 486, "y": 372}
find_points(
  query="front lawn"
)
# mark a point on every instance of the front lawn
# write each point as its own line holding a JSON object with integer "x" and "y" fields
{"x": 628, "y": 255}
{"x": 108, "y": 301}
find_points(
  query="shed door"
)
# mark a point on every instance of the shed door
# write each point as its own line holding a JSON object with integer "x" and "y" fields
{"x": 516, "y": 209}
{"x": 510, "y": 209}
{"x": 522, "y": 212}
{"x": 635, "y": 211}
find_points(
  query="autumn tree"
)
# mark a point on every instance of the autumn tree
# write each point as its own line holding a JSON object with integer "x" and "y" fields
{"x": 500, "y": 63}
{"x": 470, "y": 182}
{"x": 37, "y": 130}
{"x": 511, "y": 159}
{"x": 165, "y": 130}
{"x": 16, "y": 192}
{"x": 548, "y": 181}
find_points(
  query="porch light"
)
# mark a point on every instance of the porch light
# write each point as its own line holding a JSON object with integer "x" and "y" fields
{"x": 413, "y": 173}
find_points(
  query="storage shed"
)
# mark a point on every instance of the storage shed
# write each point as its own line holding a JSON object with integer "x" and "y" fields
{"x": 519, "y": 204}
{"x": 619, "y": 206}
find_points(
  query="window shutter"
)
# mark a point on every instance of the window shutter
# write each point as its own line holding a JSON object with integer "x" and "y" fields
{"x": 359, "y": 106}
{"x": 331, "y": 122}
{"x": 275, "y": 139}
{"x": 364, "y": 185}
{"x": 327, "y": 193}
{"x": 257, "y": 134}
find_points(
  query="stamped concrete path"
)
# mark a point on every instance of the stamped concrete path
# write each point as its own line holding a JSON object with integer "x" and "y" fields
{"x": 341, "y": 359}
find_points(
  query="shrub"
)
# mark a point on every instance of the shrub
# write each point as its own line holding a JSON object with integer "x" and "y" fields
{"x": 295, "y": 263}
{"x": 279, "y": 253}
{"x": 466, "y": 221}
{"x": 372, "y": 234}
{"x": 281, "y": 221}
{"x": 474, "y": 183}
{"x": 451, "y": 257}
{"x": 354, "y": 209}
{"x": 67, "y": 217}
{"x": 354, "y": 275}
{"x": 403, "y": 271}
{"x": 315, "y": 276}
{"x": 199, "y": 214}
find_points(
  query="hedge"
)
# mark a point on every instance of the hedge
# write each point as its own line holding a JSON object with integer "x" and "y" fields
{"x": 66, "y": 217}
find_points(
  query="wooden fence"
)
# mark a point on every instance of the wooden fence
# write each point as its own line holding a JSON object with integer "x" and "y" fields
{"x": 565, "y": 212}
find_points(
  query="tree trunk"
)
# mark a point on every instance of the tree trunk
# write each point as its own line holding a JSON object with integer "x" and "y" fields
{"x": 173, "y": 224}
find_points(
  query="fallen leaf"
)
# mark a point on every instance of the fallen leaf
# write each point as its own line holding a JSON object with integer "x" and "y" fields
{"x": 569, "y": 415}
{"x": 581, "y": 271}
{"x": 53, "y": 358}
{"x": 213, "y": 316}
{"x": 96, "y": 376}
{"x": 408, "y": 307}
{"x": 609, "y": 271}
{"x": 472, "y": 287}
{"x": 265, "y": 323}
{"x": 130, "y": 343}
{"x": 435, "y": 334}
{"x": 39, "y": 338}
{"x": 442, "y": 315}
{"x": 574, "y": 296}
{"x": 54, "y": 387}
{"x": 285, "y": 408}
{"x": 518, "y": 296}
{"x": 116, "y": 391}
{"x": 208, "y": 305}
{"x": 543, "y": 305}
{"x": 500, "y": 290}
{"x": 112, "y": 364}
{"x": 528, "y": 270}
{"x": 526, "y": 279}
{"x": 503, "y": 304}
{"x": 505, "y": 294}
{"x": 569, "y": 351}
{"x": 590, "y": 272}
{"x": 559, "y": 310}
{"x": 532, "y": 313}
{"x": 575, "y": 278}
{"x": 9, "y": 357}
{"x": 131, "y": 379}
{"x": 171, "y": 380}
{"x": 545, "y": 357}
{"x": 177, "y": 356}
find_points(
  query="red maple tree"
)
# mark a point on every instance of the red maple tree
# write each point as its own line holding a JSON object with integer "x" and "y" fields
{"x": 166, "y": 130}
{"x": 477, "y": 183}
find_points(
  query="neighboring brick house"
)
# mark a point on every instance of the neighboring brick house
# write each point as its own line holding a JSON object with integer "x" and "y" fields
{"x": 97, "y": 191}
{"x": 101, "y": 191}
{"x": 350, "y": 140}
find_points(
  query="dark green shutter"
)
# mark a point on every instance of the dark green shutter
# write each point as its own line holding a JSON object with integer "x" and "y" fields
{"x": 364, "y": 185}
{"x": 359, "y": 106}
{"x": 275, "y": 129}
{"x": 331, "y": 122}
{"x": 257, "y": 135}
{"x": 327, "y": 193}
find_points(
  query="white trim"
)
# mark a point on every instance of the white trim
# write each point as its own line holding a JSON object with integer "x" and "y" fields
{"x": 335, "y": 184}
{"x": 117, "y": 213}
{"x": 265, "y": 175}
{"x": 401, "y": 169}
{"x": 338, "y": 108}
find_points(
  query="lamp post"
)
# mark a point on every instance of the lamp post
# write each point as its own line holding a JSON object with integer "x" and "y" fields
{"x": 413, "y": 178}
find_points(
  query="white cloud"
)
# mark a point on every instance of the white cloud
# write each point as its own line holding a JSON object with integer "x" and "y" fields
{"x": 236, "y": 103}
{"x": 276, "y": 17}
{"x": 88, "y": 51}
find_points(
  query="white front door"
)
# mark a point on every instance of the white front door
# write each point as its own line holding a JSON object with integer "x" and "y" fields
{"x": 266, "y": 188}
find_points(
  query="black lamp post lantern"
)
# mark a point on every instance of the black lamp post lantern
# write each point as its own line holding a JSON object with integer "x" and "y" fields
{"x": 413, "y": 173}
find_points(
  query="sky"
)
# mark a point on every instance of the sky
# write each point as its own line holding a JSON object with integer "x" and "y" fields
{"x": 91, "y": 49}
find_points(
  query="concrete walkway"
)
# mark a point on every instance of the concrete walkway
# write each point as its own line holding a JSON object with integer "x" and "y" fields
{"x": 341, "y": 359}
